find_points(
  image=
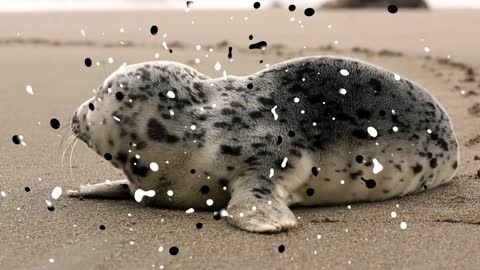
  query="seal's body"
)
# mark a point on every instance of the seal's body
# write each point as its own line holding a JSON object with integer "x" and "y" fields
{"x": 309, "y": 131}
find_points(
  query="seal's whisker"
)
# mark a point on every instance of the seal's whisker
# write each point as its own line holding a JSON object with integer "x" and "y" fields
{"x": 71, "y": 154}
{"x": 70, "y": 140}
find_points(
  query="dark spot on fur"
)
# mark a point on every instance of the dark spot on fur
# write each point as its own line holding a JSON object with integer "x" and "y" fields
{"x": 230, "y": 150}
{"x": 417, "y": 168}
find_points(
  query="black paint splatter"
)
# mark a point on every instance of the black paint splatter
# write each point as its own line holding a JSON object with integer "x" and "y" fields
{"x": 192, "y": 171}
{"x": 119, "y": 96}
{"x": 256, "y": 5}
{"x": 50, "y": 208}
{"x": 173, "y": 251}
{"x": 204, "y": 189}
{"x": 154, "y": 30}
{"x": 91, "y": 106}
{"x": 108, "y": 156}
{"x": 199, "y": 225}
{"x": 259, "y": 45}
{"x": 250, "y": 37}
{"x": 359, "y": 159}
{"x": 370, "y": 183}
{"x": 216, "y": 215}
{"x": 27, "y": 189}
{"x": 309, "y": 12}
{"x": 102, "y": 227}
{"x": 250, "y": 86}
{"x": 54, "y": 123}
{"x": 392, "y": 9}
{"x": 315, "y": 171}
{"x": 281, "y": 248}
{"x": 17, "y": 139}
{"x": 230, "y": 56}
{"x": 88, "y": 62}
{"x": 310, "y": 191}
{"x": 292, "y": 7}
{"x": 291, "y": 133}
{"x": 279, "y": 140}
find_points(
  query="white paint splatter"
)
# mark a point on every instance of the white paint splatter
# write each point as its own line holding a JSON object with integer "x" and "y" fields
{"x": 271, "y": 173}
{"x": 82, "y": 32}
{"x": 154, "y": 166}
{"x": 116, "y": 118}
{"x": 140, "y": 193}
{"x": 429, "y": 131}
{"x": 377, "y": 167}
{"x": 396, "y": 76}
{"x": 51, "y": 260}
{"x": 170, "y": 94}
{"x": 296, "y": 100}
{"x": 110, "y": 60}
{"x": 29, "y": 89}
{"x": 393, "y": 214}
{"x": 284, "y": 162}
{"x": 170, "y": 193}
{"x": 3, "y": 194}
{"x": 164, "y": 44}
{"x": 372, "y": 132}
{"x": 193, "y": 127}
{"x": 218, "y": 66}
{"x": 190, "y": 210}
{"x": 344, "y": 72}
{"x": 426, "y": 49}
{"x": 275, "y": 115}
{"x": 403, "y": 225}
{"x": 395, "y": 129}
{"x": 342, "y": 182}
{"x": 209, "y": 202}
{"x": 342, "y": 91}
{"x": 56, "y": 192}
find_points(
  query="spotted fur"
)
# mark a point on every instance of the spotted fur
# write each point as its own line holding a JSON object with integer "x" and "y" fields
{"x": 218, "y": 138}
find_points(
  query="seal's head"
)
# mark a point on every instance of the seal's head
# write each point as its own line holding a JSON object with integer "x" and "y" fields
{"x": 143, "y": 112}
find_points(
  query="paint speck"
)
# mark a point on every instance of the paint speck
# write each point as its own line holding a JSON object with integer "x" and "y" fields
{"x": 209, "y": 202}
{"x": 429, "y": 131}
{"x": 271, "y": 173}
{"x": 218, "y": 66}
{"x": 51, "y": 260}
{"x": 372, "y": 132}
{"x": 342, "y": 91}
{"x": 275, "y": 115}
{"x": 344, "y": 72}
{"x": 403, "y": 225}
{"x": 29, "y": 89}
{"x": 193, "y": 127}
{"x": 296, "y": 100}
{"x": 140, "y": 193}
{"x": 3, "y": 194}
{"x": 154, "y": 166}
{"x": 393, "y": 214}
{"x": 57, "y": 191}
{"x": 426, "y": 49}
{"x": 284, "y": 162}
{"x": 342, "y": 182}
{"x": 110, "y": 60}
{"x": 170, "y": 94}
{"x": 190, "y": 210}
{"x": 377, "y": 167}
{"x": 170, "y": 193}
{"x": 395, "y": 129}
{"x": 396, "y": 76}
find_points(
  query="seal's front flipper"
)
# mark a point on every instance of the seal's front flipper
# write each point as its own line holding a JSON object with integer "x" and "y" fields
{"x": 118, "y": 189}
{"x": 256, "y": 206}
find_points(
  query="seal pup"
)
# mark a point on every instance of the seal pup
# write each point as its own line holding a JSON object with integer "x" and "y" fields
{"x": 308, "y": 131}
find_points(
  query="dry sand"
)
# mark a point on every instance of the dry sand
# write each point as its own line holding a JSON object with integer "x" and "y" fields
{"x": 443, "y": 224}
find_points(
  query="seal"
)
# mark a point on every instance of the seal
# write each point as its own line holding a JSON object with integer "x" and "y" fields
{"x": 308, "y": 131}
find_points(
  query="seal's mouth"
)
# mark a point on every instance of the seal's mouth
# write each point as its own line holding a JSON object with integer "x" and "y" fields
{"x": 77, "y": 130}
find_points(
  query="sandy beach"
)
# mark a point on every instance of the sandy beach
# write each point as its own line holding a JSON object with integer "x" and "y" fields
{"x": 438, "y": 49}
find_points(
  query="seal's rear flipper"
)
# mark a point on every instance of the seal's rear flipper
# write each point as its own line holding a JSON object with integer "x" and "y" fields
{"x": 257, "y": 207}
{"x": 118, "y": 189}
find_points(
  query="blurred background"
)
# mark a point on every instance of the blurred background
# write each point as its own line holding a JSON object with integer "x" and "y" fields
{"x": 49, "y": 5}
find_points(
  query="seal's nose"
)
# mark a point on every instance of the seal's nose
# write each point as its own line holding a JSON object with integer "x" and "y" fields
{"x": 75, "y": 125}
